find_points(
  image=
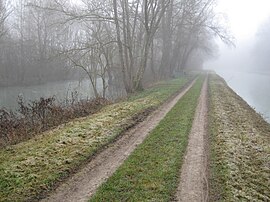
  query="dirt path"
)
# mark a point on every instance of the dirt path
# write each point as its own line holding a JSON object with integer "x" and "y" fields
{"x": 193, "y": 184}
{"x": 83, "y": 185}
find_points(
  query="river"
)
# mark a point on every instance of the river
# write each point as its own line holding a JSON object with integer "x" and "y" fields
{"x": 254, "y": 88}
{"x": 61, "y": 90}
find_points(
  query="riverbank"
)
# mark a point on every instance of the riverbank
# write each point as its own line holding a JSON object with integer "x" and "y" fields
{"x": 253, "y": 87}
{"x": 31, "y": 168}
{"x": 239, "y": 147}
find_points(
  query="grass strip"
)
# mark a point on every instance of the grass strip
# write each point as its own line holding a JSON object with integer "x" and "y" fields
{"x": 31, "y": 168}
{"x": 151, "y": 172}
{"x": 240, "y": 147}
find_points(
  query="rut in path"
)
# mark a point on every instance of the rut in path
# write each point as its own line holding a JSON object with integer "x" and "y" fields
{"x": 193, "y": 181}
{"x": 83, "y": 185}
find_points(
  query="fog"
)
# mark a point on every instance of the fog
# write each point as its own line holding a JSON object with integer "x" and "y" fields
{"x": 246, "y": 67}
{"x": 249, "y": 55}
{"x": 124, "y": 46}
{"x": 115, "y": 45}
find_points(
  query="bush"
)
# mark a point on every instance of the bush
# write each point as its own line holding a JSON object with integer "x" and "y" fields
{"x": 34, "y": 117}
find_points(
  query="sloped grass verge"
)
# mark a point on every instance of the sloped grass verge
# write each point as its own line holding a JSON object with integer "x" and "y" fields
{"x": 151, "y": 172}
{"x": 31, "y": 168}
{"x": 240, "y": 147}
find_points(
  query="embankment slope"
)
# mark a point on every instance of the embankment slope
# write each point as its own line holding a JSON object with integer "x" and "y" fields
{"x": 239, "y": 147}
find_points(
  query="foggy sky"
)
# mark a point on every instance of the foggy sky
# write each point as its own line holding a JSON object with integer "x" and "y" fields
{"x": 249, "y": 22}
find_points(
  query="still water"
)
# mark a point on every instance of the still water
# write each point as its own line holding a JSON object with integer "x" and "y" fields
{"x": 61, "y": 90}
{"x": 254, "y": 88}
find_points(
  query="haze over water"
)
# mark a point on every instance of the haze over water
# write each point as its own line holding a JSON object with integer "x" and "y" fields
{"x": 246, "y": 68}
{"x": 252, "y": 87}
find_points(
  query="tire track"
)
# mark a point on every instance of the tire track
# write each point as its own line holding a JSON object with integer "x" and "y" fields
{"x": 193, "y": 186}
{"x": 81, "y": 186}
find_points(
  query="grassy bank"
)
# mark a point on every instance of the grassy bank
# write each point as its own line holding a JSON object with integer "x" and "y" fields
{"x": 240, "y": 148}
{"x": 33, "y": 167}
{"x": 151, "y": 172}
{"x": 34, "y": 117}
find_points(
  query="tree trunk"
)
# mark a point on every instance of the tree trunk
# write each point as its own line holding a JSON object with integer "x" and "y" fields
{"x": 165, "y": 68}
{"x": 120, "y": 49}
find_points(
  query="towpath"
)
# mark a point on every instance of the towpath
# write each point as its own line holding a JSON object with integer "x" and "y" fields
{"x": 193, "y": 186}
{"x": 81, "y": 186}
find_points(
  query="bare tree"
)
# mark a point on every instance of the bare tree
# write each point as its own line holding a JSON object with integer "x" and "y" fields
{"x": 144, "y": 19}
{"x": 189, "y": 26}
{"x": 113, "y": 41}
{"x": 4, "y": 13}
{"x": 167, "y": 34}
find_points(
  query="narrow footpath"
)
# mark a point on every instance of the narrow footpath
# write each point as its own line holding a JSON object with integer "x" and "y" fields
{"x": 193, "y": 184}
{"x": 81, "y": 186}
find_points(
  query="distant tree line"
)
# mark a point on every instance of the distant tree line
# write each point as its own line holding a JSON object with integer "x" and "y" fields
{"x": 30, "y": 45}
{"x": 122, "y": 42}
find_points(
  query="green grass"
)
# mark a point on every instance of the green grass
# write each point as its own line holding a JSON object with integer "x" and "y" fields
{"x": 33, "y": 167}
{"x": 151, "y": 172}
{"x": 240, "y": 148}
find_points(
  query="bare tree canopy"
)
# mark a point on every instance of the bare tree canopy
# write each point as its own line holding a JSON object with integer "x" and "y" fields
{"x": 4, "y": 13}
{"x": 124, "y": 43}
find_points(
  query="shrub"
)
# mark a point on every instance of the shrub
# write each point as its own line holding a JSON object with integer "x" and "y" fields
{"x": 34, "y": 117}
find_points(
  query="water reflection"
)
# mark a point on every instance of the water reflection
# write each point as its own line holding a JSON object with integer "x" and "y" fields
{"x": 61, "y": 90}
